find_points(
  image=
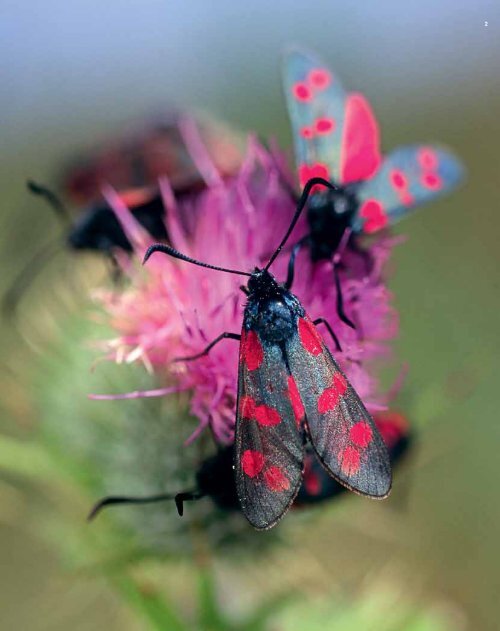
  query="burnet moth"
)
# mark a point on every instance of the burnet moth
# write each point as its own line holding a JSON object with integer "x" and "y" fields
{"x": 96, "y": 227}
{"x": 190, "y": 153}
{"x": 132, "y": 165}
{"x": 336, "y": 137}
{"x": 215, "y": 477}
{"x": 291, "y": 391}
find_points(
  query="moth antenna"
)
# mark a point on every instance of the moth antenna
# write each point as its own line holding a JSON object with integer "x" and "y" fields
{"x": 188, "y": 496}
{"x": 113, "y": 500}
{"x": 300, "y": 207}
{"x": 166, "y": 249}
{"x": 52, "y": 199}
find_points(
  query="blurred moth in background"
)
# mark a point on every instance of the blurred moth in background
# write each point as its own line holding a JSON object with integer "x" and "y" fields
{"x": 336, "y": 137}
{"x": 132, "y": 165}
{"x": 215, "y": 476}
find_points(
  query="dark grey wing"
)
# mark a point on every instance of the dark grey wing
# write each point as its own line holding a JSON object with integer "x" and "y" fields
{"x": 269, "y": 443}
{"x": 340, "y": 428}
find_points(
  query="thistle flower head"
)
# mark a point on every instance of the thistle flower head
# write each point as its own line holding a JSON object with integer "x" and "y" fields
{"x": 172, "y": 309}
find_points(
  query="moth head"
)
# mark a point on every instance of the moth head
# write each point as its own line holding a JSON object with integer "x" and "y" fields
{"x": 262, "y": 284}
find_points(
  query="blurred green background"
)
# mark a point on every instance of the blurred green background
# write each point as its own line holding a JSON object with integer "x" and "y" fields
{"x": 73, "y": 72}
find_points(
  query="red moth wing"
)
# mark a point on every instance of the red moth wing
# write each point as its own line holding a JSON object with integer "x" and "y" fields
{"x": 269, "y": 444}
{"x": 360, "y": 154}
{"x": 340, "y": 428}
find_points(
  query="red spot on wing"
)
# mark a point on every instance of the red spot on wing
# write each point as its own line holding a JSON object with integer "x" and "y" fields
{"x": 263, "y": 414}
{"x": 319, "y": 78}
{"x": 329, "y": 398}
{"x": 431, "y": 181}
{"x": 349, "y": 460}
{"x": 306, "y": 132}
{"x": 302, "y": 92}
{"x": 398, "y": 179}
{"x": 427, "y": 158}
{"x": 267, "y": 416}
{"x": 296, "y": 401}
{"x": 407, "y": 198}
{"x": 276, "y": 480}
{"x": 361, "y": 434}
{"x": 306, "y": 172}
{"x": 373, "y": 211}
{"x": 400, "y": 182}
{"x": 324, "y": 125}
{"x": 360, "y": 150}
{"x": 252, "y": 462}
{"x": 252, "y": 351}
{"x": 309, "y": 337}
{"x": 247, "y": 407}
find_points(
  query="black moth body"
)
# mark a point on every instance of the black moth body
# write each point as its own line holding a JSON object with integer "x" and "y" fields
{"x": 329, "y": 215}
{"x": 98, "y": 229}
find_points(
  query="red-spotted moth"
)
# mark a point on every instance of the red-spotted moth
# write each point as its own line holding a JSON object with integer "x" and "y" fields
{"x": 291, "y": 391}
{"x": 336, "y": 137}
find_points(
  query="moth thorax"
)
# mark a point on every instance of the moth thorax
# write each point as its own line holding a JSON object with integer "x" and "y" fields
{"x": 329, "y": 214}
{"x": 331, "y": 206}
{"x": 275, "y": 321}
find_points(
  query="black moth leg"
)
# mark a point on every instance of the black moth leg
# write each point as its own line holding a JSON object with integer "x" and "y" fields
{"x": 291, "y": 262}
{"x": 186, "y": 496}
{"x": 330, "y": 330}
{"x": 222, "y": 336}
{"x": 340, "y": 299}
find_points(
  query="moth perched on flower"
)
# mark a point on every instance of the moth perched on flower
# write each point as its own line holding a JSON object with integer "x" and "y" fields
{"x": 170, "y": 312}
{"x": 336, "y": 136}
{"x": 290, "y": 391}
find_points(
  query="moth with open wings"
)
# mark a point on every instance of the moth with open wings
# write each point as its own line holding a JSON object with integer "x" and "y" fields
{"x": 336, "y": 137}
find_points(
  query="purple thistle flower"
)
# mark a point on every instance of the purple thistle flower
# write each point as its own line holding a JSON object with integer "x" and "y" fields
{"x": 172, "y": 309}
